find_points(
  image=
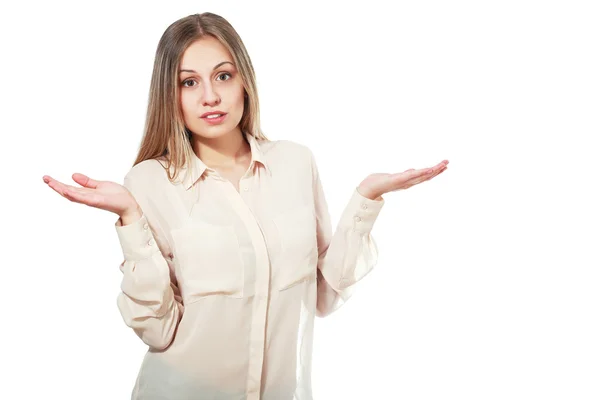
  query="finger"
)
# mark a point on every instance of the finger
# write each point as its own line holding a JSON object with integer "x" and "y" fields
{"x": 85, "y": 180}
{"x": 73, "y": 195}
{"x": 82, "y": 195}
{"x": 433, "y": 171}
{"x": 57, "y": 186}
{"x": 60, "y": 187}
{"x": 49, "y": 180}
{"x": 426, "y": 177}
{"x": 437, "y": 173}
{"x": 410, "y": 174}
{"x": 416, "y": 173}
{"x": 436, "y": 167}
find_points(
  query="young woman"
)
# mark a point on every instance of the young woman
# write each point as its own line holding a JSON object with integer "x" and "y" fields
{"x": 226, "y": 236}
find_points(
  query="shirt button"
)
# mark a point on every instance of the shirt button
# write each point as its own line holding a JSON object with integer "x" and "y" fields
{"x": 357, "y": 219}
{"x": 246, "y": 189}
{"x": 150, "y": 242}
{"x": 364, "y": 207}
{"x": 146, "y": 226}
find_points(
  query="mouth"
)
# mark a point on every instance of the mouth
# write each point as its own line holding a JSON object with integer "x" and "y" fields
{"x": 214, "y": 118}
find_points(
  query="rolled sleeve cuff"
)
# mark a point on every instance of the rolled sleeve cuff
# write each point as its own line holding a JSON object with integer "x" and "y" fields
{"x": 137, "y": 241}
{"x": 361, "y": 212}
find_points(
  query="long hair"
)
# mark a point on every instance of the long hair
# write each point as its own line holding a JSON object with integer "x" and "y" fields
{"x": 165, "y": 134}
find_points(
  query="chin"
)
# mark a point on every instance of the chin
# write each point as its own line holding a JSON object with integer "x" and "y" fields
{"x": 213, "y": 132}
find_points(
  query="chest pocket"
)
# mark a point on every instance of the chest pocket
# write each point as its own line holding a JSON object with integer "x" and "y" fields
{"x": 297, "y": 232}
{"x": 209, "y": 260}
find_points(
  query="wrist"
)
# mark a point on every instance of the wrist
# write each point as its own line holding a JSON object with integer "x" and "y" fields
{"x": 369, "y": 194}
{"x": 131, "y": 215}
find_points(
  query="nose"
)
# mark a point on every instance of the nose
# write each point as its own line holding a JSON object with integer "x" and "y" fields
{"x": 209, "y": 96}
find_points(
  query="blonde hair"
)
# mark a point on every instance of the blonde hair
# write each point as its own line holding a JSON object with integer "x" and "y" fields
{"x": 165, "y": 134}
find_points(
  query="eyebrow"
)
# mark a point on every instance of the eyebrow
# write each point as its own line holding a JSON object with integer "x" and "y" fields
{"x": 216, "y": 66}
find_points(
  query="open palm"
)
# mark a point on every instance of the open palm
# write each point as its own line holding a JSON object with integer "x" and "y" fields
{"x": 381, "y": 183}
{"x": 106, "y": 195}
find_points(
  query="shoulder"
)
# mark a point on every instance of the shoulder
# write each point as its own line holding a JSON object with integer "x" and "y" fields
{"x": 145, "y": 176}
{"x": 286, "y": 151}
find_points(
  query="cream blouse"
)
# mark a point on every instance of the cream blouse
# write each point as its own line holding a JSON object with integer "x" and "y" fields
{"x": 223, "y": 286}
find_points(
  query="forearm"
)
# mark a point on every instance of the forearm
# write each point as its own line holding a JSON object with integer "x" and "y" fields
{"x": 147, "y": 302}
{"x": 351, "y": 251}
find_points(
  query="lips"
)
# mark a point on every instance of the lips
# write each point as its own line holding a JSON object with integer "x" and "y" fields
{"x": 214, "y": 120}
{"x": 212, "y": 113}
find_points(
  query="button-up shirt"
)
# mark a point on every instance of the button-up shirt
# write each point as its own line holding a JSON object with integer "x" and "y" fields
{"x": 224, "y": 286}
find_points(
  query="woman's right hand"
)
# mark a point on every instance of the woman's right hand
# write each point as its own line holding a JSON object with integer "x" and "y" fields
{"x": 106, "y": 195}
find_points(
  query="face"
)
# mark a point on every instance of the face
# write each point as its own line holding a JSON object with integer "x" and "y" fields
{"x": 209, "y": 83}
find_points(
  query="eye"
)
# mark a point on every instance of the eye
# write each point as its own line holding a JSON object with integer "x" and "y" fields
{"x": 184, "y": 83}
{"x": 224, "y": 74}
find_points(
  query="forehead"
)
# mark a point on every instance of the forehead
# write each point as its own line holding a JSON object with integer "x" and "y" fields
{"x": 204, "y": 54}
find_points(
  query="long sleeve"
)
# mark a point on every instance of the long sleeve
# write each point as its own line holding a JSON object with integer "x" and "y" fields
{"x": 350, "y": 253}
{"x": 150, "y": 301}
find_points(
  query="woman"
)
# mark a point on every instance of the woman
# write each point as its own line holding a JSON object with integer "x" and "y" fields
{"x": 226, "y": 235}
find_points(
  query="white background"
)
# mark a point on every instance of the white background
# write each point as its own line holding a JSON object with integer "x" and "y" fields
{"x": 488, "y": 281}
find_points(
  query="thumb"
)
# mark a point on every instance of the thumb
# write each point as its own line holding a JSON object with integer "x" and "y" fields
{"x": 85, "y": 181}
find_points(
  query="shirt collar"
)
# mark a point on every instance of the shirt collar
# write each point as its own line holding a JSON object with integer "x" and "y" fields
{"x": 198, "y": 168}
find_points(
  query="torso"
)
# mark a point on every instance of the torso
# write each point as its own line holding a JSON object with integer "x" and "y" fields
{"x": 234, "y": 174}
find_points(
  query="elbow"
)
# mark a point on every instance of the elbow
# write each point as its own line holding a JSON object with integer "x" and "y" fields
{"x": 155, "y": 342}
{"x": 327, "y": 297}
{"x": 322, "y": 313}
{"x": 325, "y": 306}
{"x": 156, "y": 331}
{"x": 157, "y": 334}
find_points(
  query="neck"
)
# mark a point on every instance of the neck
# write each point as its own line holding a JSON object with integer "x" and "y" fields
{"x": 224, "y": 151}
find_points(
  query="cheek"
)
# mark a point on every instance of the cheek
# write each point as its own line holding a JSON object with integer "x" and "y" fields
{"x": 236, "y": 94}
{"x": 187, "y": 106}
{"x": 239, "y": 99}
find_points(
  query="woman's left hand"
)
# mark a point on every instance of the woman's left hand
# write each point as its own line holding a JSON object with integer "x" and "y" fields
{"x": 374, "y": 185}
